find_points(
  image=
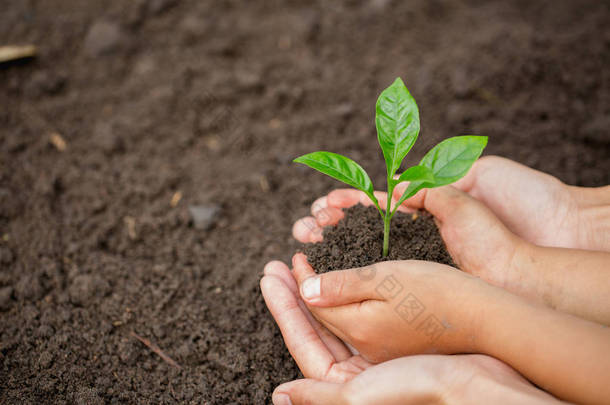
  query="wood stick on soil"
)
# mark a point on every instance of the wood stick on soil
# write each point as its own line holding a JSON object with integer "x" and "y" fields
{"x": 156, "y": 349}
{"x": 14, "y": 52}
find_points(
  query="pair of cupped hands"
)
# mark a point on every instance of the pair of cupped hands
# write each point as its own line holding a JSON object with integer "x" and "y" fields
{"x": 349, "y": 331}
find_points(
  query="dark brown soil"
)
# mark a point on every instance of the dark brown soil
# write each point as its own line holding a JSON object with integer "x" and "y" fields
{"x": 213, "y": 99}
{"x": 357, "y": 241}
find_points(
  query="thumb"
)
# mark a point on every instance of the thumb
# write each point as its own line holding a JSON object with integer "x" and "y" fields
{"x": 308, "y": 391}
{"x": 441, "y": 202}
{"x": 335, "y": 288}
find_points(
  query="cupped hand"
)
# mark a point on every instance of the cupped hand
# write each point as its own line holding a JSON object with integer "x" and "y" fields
{"x": 539, "y": 207}
{"x": 397, "y": 308}
{"x": 318, "y": 353}
{"x": 449, "y": 380}
{"x": 476, "y": 239}
{"x": 336, "y": 376}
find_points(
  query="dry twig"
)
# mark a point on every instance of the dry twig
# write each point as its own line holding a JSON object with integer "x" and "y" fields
{"x": 14, "y": 52}
{"x": 156, "y": 349}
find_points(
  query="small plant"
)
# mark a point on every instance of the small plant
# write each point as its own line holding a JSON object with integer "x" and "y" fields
{"x": 397, "y": 122}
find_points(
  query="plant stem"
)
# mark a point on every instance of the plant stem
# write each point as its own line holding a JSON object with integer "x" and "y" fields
{"x": 387, "y": 218}
{"x": 386, "y": 235}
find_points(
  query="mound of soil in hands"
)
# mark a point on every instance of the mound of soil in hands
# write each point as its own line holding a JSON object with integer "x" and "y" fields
{"x": 357, "y": 240}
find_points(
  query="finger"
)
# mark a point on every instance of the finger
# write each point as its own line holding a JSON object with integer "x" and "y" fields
{"x": 320, "y": 204}
{"x": 348, "y": 197}
{"x": 301, "y": 268}
{"x": 465, "y": 184}
{"x": 345, "y": 198}
{"x": 307, "y": 230}
{"x": 308, "y": 391}
{"x": 302, "y": 341}
{"x": 442, "y": 202}
{"x": 410, "y": 202}
{"x": 329, "y": 216}
{"x": 400, "y": 189}
{"x": 468, "y": 182}
{"x": 280, "y": 270}
{"x": 324, "y": 214}
{"x": 336, "y": 347}
{"x": 301, "y": 271}
{"x": 334, "y": 288}
{"x": 485, "y": 173}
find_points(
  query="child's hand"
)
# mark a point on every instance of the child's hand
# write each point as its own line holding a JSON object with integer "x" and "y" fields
{"x": 397, "y": 308}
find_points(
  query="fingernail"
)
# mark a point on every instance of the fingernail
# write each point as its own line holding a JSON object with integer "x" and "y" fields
{"x": 311, "y": 288}
{"x": 281, "y": 399}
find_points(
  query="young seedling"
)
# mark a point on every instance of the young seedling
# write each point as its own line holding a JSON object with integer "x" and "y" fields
{"x": 397, "y": 122}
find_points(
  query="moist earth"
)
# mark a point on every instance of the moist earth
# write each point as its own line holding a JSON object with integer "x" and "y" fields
{"x": 168, "y": 106}
{"x": 357, "y": 240}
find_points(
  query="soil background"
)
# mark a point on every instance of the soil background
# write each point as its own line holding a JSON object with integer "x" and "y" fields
{"x": 212, "y": 100}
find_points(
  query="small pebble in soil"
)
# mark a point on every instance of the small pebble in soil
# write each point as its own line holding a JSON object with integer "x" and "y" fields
{"x": 103, "y": 37}
{"x": 357, "y": 241}
{"x": 344, "y": 110}
{"x": 204, "y": 216}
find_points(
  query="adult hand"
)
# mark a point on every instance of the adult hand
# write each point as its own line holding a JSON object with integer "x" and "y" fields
{"x": 460, "y": 379}
{"x": 538, "y": 207}
{"x": 318, "y": 353}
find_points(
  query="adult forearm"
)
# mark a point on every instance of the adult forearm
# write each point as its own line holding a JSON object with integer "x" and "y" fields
{"x": 563, "y": 354}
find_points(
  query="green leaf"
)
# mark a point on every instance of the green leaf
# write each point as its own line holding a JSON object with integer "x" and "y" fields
{"x": 397, "y": 122}
{"x": 341, "y": 168}
{"x": 450, "y": 160}
{"x": 415, "y": 173}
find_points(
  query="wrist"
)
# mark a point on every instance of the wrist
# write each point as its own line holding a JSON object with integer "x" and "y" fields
{"x": 593, "y": 214}
{"x": 526, "y": 275}
{"x": 476, "y": 317}
{"x": 588, "y": 196}
{"x": 500, "y": 324}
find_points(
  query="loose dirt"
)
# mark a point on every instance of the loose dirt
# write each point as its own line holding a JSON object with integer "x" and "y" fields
{"x": 357, "y": 241}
